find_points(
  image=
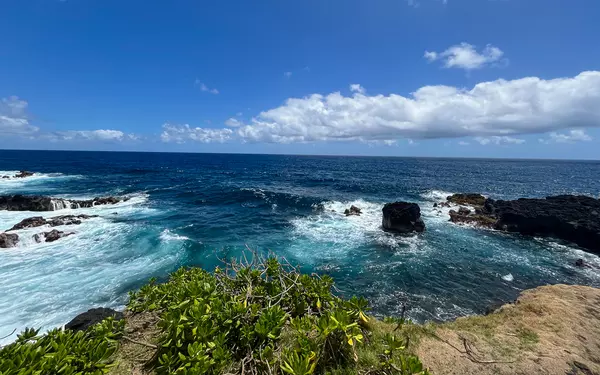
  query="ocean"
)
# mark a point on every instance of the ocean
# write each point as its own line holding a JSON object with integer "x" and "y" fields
{"x": 195, "y": 209}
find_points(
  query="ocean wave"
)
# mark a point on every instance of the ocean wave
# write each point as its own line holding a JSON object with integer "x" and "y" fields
{"x": 338, "y": 234}
{"x": 14, "y": 184}
{"x": 436, "y": 195}
{"x": 167, "y": 235}
{"x": 47, "y": 284}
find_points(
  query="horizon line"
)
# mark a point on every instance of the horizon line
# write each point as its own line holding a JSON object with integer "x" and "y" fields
{"x": 314, "y": 155}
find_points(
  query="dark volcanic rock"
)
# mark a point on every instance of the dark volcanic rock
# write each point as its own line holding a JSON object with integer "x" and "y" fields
{"x": 43, "y": 203}
{"x": 476, "y": 219}
{"x": 23, "y": 174}
{"x": 8, "y": 240}
{"x": 568, "y": 217}
{"x": 92, "y": 317}
{"x": 51, "y": 236}
{"x": 38, "y": 221}
{"x": 402, "y": 217}
{"x": 352, "y": 211}
{"x": 468, "y": 199}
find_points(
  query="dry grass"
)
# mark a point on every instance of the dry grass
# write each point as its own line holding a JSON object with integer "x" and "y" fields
{"x": 549, "y": 330}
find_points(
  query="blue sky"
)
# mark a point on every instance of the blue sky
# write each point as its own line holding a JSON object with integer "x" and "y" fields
{"x": 489, "y": 78}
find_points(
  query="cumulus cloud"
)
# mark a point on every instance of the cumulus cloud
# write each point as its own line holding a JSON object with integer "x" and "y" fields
{"x": 13, "y": 117}
{"x": 497, "y": 108}
{"x": 499, "y": 140}
{"x": 287, "y": 74}
{"x": 184, "y": 133}
{"x": 205, "y": 88}
{"x": 233, "y": 122}
{"x": 465, "y": 56}
{"x": 357, "y": 88}
{"x": 103, "y": 135}
{"x": 576, "y": 135}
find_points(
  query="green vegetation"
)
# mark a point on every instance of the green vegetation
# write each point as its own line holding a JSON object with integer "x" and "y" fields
{"x": 62, "y": 352}
{"x": 259, "y": 317}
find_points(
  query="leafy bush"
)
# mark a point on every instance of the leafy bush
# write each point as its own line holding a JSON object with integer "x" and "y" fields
{"x": 62, "y": 352}
{"x": 261, "y": 317}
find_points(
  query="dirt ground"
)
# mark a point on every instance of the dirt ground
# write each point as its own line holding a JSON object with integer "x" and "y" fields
{"x": 548, "y": 330}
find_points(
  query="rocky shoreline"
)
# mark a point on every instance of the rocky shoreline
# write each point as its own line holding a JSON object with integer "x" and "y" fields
{"x": 38, "y": 203}
{"x": 572, "y": 218}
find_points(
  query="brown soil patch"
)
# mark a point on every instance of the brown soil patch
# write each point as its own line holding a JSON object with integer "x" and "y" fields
{"x": 141, "y": 332}
{"x": 548, "y": 330}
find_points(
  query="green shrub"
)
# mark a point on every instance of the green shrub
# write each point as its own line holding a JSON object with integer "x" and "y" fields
{"x": 62, "y": 352}
{"x": 261, "y": 317}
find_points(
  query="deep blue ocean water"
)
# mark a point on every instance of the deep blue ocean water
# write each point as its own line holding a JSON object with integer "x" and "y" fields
{"x": 192, "y": 209}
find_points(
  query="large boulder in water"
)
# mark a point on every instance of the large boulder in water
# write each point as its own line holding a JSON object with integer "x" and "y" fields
{"x": 51, "y": 236}
{"x": 402, "y": 217}
{"x": 92, "y": 317}
{"x": 8, "y": 240}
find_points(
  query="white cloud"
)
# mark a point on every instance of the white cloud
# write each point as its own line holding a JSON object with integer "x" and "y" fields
{"x": 465, "y": 56}
{"x": 498, "y": 140}
{"x": 497, "y": 108}
{"x": 103, "y": 135}
{"x": 184, "y": 133}
{"x": 576, "y": 135}
{"x": 233, "y": 122}
{"x": 13, "y": 117}
{"x": 357, "y": 88}
{"x": 463, "y": 143}
{"x": 287, "y": 74}
{"x": 205, "y": 88}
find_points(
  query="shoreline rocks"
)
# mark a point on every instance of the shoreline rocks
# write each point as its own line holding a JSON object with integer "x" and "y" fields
{"x": 567, "y": 217}
{"x": 38, "y": 221}
{"x": 23, "y": 174}
{"x": 353, "y": 211}
{"x": 8, "y": 240}
{"x": 402, "y": 217}
{"x": 51, "y": 236}
{"x": 44, "y": 203}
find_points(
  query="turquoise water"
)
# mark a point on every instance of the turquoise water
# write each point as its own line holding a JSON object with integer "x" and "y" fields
{"x": 192, "y": 209}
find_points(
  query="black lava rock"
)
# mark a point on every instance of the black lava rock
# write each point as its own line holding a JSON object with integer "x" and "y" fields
{"x": 92, "y": 317}
{"x": 402, "y": 217}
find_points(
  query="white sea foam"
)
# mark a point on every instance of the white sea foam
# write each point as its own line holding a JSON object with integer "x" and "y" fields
{"x": 436, "y": 195}
{"x": 13, "y": 184}
{"x": 167, "y": 235}
{"x": 508, "y": 277}
{"x": 46, "y": 284}
{"x": 337, "y": 234}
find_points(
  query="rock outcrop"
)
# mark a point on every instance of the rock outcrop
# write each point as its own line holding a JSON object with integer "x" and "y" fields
{"x": 469, "y": 199}
{"x": 402, "y": 217}
{"x": 38, "y": 221}
{"x": 92, "y": 317}
{"x": 51, "y": 236}
{"x": 23, "y": 174}
{"x": 352, "y": 211}
{"x": 8, "y": 240}
{"x": 44, "y": 203}
{"x": 567, "y": 217}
